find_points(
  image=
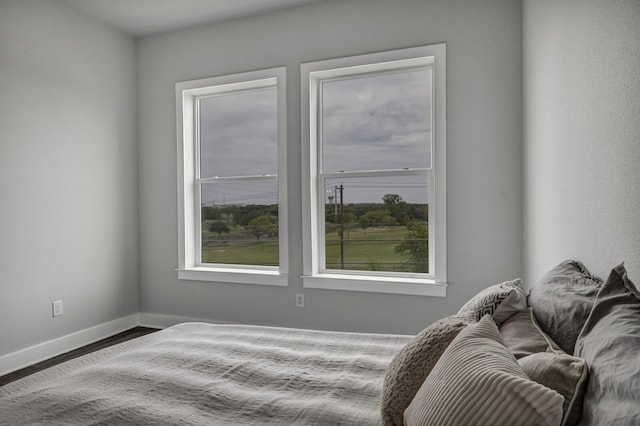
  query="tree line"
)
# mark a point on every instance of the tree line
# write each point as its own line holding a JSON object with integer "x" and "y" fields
{"x": 262, "y": 220}
{"x": 393, "y": 211}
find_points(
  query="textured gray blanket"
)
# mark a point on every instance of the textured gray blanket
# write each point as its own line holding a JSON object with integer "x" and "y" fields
{"x": 205, "y": 374}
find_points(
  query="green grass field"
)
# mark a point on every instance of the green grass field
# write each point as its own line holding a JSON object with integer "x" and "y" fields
{"x": 242, "y": 253}
{"x": 370, "y": 249}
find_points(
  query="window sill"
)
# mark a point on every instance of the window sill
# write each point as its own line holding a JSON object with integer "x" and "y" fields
{"x": 411, "y": 286}
{"x": 231, "y": 275}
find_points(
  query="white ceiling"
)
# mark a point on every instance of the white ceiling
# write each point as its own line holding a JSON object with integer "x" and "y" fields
{"x": 146, "y": 17}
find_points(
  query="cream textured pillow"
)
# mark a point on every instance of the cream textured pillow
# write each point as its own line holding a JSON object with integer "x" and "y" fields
{"x": 412, "y": 364}
{"x": 478, "y": 381}
{"x": 500, "y": 301}
{"x": 563, "y": 373}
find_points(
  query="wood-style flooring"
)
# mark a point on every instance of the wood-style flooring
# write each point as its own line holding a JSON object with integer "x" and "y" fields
{"x": 101, "y": 344}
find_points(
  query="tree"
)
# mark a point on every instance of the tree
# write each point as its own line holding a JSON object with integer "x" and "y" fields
{"x": 262, "y": 225}
{"x": 246, "y": 214}
{"x": 210, "y": 213}
{"x": 376, "y": 218}
{"x": 219, "y": 228}
{"x": 418, "y": 212}
{"x": 415, "y": 247}
{"x": 397, "y": 207}
{"x": 391, "y": 199}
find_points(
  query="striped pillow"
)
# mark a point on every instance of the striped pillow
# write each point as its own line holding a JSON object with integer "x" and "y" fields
{"x": 478, "y": 381}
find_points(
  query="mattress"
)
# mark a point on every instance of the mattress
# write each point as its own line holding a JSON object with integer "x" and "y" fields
{"x": 213, "y": 374}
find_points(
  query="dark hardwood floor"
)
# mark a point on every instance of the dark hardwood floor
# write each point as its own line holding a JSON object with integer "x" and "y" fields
{"x": 109, "y": 341}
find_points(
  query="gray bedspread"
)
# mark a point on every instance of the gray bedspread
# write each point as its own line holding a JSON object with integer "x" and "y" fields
{"x": 206, "y": 374}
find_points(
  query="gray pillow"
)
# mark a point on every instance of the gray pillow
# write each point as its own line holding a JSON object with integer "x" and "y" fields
{"x": 562, "y": 301}
{"x": 500, "y": 301}
{"x": 610, "y": 342}
{"x": 523, "y": 337}
{"x": 545, "y": 363}
{"x": 563, "y": 373}
{"x": 412, "y": 365}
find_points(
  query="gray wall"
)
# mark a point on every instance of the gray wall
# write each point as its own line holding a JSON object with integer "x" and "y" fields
{"x": 68, "y": 173}
{"x": 484, "y": 76}
{"x": 70, "y": 169}
{"x": 581, "y": 134}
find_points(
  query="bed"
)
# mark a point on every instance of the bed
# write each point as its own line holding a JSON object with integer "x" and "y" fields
{"x": 563, "y": 353}
{"x": 198, "y": 373}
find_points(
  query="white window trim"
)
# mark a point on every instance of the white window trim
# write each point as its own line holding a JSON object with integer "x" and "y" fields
{"x": 188, "y": 195}
{"x": 434, "y": 284}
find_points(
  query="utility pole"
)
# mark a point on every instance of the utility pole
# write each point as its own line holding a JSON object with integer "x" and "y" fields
{"x": 341, "y": 188}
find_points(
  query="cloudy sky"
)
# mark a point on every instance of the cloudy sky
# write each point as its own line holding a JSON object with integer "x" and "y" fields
{"x": 374, "y": 122}
{"x": 238, "y": 134}
{"x": 238, "y": 137}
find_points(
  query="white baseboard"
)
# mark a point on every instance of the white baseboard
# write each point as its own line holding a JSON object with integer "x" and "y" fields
{"x": 146, "y": 319}
{"x": 43, "y": 351}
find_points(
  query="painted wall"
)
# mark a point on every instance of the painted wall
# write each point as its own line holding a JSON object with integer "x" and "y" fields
{"x": 581, "y": 134}
{"x": 68, "y": 173}
{"x": 484, "y": 99}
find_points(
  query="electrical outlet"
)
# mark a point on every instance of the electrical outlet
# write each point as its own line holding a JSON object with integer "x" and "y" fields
{"x": 58, "y": 309}
{"x": 299, "y": 300}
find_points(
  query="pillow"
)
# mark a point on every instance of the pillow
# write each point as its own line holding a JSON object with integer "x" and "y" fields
{"x": 563, "y": 373}
{"x": 609, "y": 342}
{"x": 522, "y": 335}
{"x": 545, "y": 363}
{"x": 562, "y": 301}
{"x": 477, "y": 381}
{"x": 412, "y": 364}
{"x": 500, "y": 300}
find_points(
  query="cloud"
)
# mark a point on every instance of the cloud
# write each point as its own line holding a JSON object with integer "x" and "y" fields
{"x": 369, "y": 123}
{"x": 377, "y": 122}
{"x": 239, "y": 134}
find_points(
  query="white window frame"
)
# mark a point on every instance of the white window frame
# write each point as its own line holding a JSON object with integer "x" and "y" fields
{"x": 434, "y": 283}
{"x": 189, "y": 220}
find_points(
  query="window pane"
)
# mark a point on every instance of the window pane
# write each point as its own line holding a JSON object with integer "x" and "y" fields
{"x": 377, "y": 122}
{"x": 377, "y": 224}
{"x": 239, "y": 134}
{"x": 240, "y": 223}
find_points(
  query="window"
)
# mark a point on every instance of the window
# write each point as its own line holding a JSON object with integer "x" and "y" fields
{"x": 232, "y": 203}
{"x": 374, "y": 172}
